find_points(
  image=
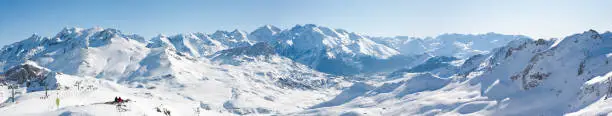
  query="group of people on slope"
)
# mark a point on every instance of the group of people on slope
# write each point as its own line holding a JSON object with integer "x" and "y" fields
{"x": 118, "y": 100}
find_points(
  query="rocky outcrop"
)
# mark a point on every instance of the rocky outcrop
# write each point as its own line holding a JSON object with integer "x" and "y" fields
{"x": 31, "y": 76}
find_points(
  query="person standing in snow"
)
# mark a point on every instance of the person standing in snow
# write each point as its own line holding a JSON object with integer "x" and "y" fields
{"x": 57, "y": 102}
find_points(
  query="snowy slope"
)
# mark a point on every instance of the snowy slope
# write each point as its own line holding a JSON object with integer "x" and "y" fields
{"x": 180, "y": 84}
{"x": 526, "y": 77}
{"x": 164, "y": 71}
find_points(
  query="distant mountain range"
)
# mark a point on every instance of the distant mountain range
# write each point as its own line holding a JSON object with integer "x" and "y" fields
{"x": 333, "y": 51}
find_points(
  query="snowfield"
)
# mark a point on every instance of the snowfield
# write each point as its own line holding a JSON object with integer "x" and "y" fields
{"x": 225, "y": 90}
{"x": 305, "y": 70}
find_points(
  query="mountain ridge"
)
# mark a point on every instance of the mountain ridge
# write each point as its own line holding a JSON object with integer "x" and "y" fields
{"x": 308, "y": 44}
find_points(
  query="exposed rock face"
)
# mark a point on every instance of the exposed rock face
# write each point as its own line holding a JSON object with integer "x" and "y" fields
{"x": 31, "y": 76}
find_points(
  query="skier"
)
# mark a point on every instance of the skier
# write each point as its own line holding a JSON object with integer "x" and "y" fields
{"x": 116, "y": 99}
{"x": 120, "y": 100}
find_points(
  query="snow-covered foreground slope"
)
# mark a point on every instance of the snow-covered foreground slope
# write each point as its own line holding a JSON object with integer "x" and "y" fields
{"x": 255, "y": 88}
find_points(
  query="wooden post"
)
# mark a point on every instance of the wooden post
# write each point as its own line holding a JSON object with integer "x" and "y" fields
{"x": 78, "y": 84}
{"x": 46, "y": 91}
{"x": 57, "y": 101}
{"x": 12, "y": 87}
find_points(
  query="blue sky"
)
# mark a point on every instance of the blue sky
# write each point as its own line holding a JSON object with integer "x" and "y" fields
{"x": 535, "y": 18}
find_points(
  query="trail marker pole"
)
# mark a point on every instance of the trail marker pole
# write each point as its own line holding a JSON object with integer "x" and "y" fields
{"x": 57, "y": 101}
{"x": 12, "y": 87}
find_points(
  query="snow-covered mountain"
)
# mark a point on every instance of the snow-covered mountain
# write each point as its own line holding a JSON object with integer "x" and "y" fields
{"x": 442, "y": 66}
{"x": 334, "y": 51}
{"x": 81, "y": 52}
{"x": 161, "y": 69}
{"x": 525, "y": 77}
{"x": 306, "y": 70}
{"x": 200, "y": 44}
{"x": 453, "y": 45}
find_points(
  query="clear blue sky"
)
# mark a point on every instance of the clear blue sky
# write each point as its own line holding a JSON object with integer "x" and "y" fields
{"x": 535, "y": 18}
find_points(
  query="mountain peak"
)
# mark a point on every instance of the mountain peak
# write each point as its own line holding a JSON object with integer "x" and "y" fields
{"x": 270, "y": 27}
{"x": 108, "y": 30}
{"x": 265, "y": 33}
{"x": 607, "y": 35}
{"x": 267, "y": 28}
{"x": 160, "y": 35}
{"x": 305, "y": 27}
{"x": 34, "y": 36}
{"x": 70, "y": 29}
{"x": 589, "y": 33}
{"x": 219, "y": 33}
{"x": 66, "y": 31}
{"x": 310, "y": 25}
{"x": 592, "y": 31}
{"x": 237, "y": 32}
